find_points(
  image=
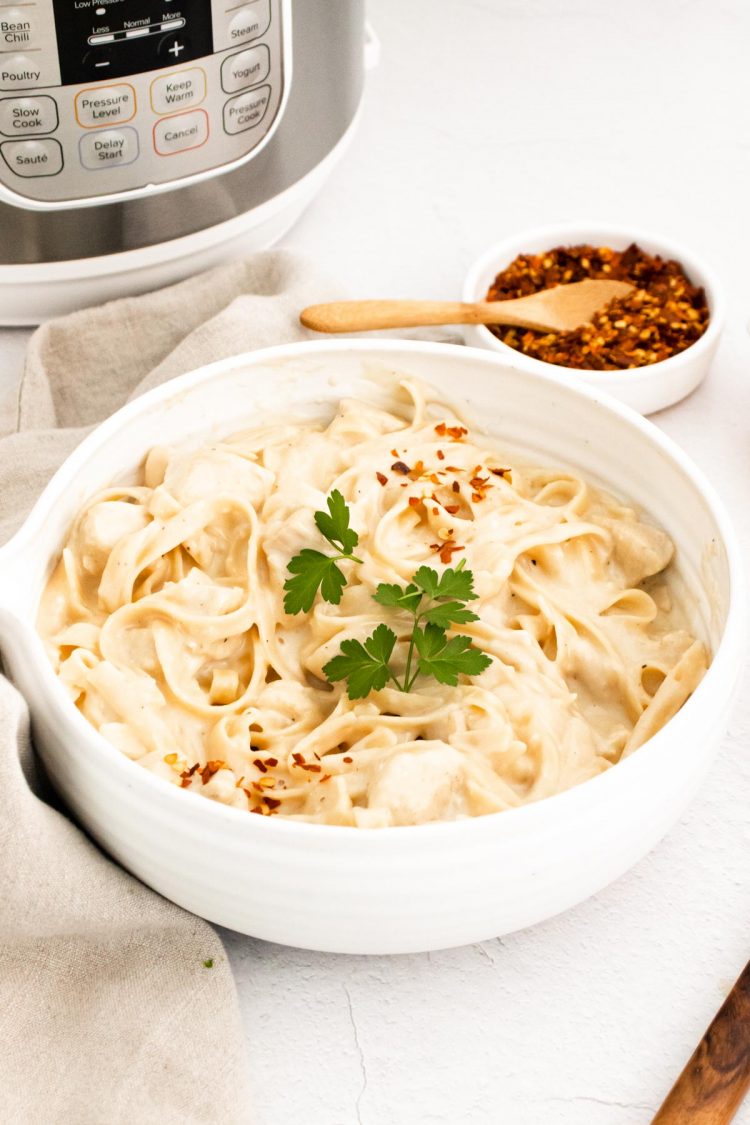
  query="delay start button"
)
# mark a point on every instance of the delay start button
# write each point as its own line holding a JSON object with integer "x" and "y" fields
{"x": 246, "y": 110}
{"x": 109, "y": 148}
{"x": 17, "y": 29}
{"x": 181, "y": 132}
{"x": 24, "y": 117}
{"x": 33, "y": 158}
{"x": 105, "y": 105}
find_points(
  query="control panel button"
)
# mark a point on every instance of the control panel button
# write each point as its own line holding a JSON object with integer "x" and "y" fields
{"x": 19, "y": 72}
{"x": 22, "y": 117}
{"x": 176, "y": 91}
{"x": 105, "y": 105}
{"x": 181, "y": 132}
{"x": 109, "y": 148}
{"x": 172, "y": 48}
{"x": 33, "y": 158}
{"x": 246, "y": 110}
{"x": 249, "y": 22}
{"x": 18, "y": 29}
{"x": 247, "y": 68}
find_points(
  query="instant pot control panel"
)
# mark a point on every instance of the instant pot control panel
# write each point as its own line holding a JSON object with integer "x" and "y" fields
{"x": 110, "y": 99}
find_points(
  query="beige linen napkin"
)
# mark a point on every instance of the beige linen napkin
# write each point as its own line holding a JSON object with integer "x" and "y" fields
{"x": 115, "y": 1005}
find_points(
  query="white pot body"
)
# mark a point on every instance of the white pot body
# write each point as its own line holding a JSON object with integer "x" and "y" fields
{"x": 392, "y": 890}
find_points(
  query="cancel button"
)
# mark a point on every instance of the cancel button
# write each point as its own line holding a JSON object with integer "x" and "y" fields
{"x": 181, "y": 132}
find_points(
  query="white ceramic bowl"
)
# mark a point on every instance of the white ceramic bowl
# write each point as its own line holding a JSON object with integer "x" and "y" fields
{"x": 646, "y": 389}
{"x": 391, "y": 890}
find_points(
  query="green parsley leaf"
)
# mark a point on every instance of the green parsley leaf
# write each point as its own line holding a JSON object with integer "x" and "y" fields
{"x": 312, "y": 570}
{"x": 333, "y": 525}
{"x": 446, "y": 659}
{"x": 446, "y": 614}
{"x": 363, "y": 666}
{"x": 455, "y": 582}
{"x": 393, "y": 595}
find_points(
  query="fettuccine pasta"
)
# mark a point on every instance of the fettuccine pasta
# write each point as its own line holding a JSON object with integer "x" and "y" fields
{"x": 165, "y": 621}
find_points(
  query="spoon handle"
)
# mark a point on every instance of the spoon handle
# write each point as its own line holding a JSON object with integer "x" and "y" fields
{"x": 366, "y": 316}
{"x": 717, "y": 1076}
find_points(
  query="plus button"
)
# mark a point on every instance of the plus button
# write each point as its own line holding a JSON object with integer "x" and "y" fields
{"x": 176, "y": 48}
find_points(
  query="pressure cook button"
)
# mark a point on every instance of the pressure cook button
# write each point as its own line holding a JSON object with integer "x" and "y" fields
{"x": 247, "y": 68}
{"x": 249, "y": 22}
{"x": 24, "y": 117}
{"x": 110, "y": 148}
{"x": 181, "y": 132}
{"x": 105, "y": 105}
{"x": 176, "y": 91}
{"x": 33, "y": 158}
{"x": 19, "y": 72}
{"x": 246, "y": 110}
{"x": 17, "y": 30}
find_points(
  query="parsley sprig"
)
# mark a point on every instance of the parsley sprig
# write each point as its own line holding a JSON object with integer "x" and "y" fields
{"x": 312, "y": 570}
{"x": 435, "y": 603}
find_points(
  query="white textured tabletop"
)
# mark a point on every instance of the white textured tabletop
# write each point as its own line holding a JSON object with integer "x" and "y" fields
{"x": 485, "y": 117}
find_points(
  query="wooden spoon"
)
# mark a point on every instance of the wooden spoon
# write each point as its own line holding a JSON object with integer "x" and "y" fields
{"x": 717, "y": 1076}
{"x": 559, "y": 309}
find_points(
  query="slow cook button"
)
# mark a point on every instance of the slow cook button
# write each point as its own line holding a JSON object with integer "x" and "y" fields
{"x": 247, "y": 110}
{"x": 181, "y": 132}
{"x": 19, "y": 72}
{"x": 249, "y": 22}
{"x": 111, "y": 148}
{"x": 176, "y": 91}
{"x": 17, "y": 29}
{"x": 22, "y": 117}
{"x": 33, "y": 158}
{"x": 247, "y": 68}
{"x": 105, "y": 105}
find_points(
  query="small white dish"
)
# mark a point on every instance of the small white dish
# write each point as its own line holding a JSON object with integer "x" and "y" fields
{"x": 646, "y": 389}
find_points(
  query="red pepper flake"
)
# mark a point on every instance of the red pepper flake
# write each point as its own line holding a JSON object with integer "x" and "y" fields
{"x": 400, "y": 467}
{"x": 453, "y": 469}
{"x": 325, "y": 777}
{"x": 435, "y": 511}
{"x": 447, "y": 550}
{"x": 417, "y": 470}
{"x": 415, "y": 501}
{"x": 210, "y": 769}
{"x": 312, "y": 767}
{"x": 272, "y": 802}
{"x": 185, "y": 783}
{"x": 455, "y": 433}
{"x": 348, "y": 760}
{"x": 477, "y": 497}
{"x": 451, "y": 509}
{"x": 456, "y": 486}
{"x": 394, "y": 453}
{"x": 260, "y": 765}
{"x": 382, "y": 478}
{"x": 298, "y": 758}
{"x": 256, "y": 808}
{"x": 441, "y": 455}
{"x": 499, "y": 472}
{"x": 272, "y": 762}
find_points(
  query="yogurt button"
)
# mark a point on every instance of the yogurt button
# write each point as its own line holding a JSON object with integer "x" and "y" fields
{"x": 19, "y": 72}
{"x": 246, "y": 68}
{"x": 110, "y": 148}
{"x": 181, "y": 132}
{"x": 246, "y": 110}
{"x": 18, "y": 29}
{"x": 24, "y": 117}
{"x": 249, "y": 22}
{"x": 33, "y": 158}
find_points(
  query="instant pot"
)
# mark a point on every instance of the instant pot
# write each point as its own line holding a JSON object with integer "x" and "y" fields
{"x": 144, "y": 140}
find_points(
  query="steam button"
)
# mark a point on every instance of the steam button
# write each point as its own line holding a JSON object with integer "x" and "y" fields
{"x": 249, "y": 22}
{"x": 33, "y": 158}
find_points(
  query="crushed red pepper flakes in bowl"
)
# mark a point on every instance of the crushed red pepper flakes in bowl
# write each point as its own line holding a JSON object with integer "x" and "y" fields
{"x": 663, "y": 315}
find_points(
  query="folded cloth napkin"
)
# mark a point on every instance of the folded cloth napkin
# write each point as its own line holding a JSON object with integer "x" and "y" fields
{"x": 115, "y": 1005}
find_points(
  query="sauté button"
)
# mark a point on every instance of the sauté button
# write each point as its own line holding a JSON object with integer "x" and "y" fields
{"x": 105, "y": 105}
{"x": 179, "y": 90}
{"x": 181, "y": 132}
{"x": 246, "y": 110}
{"x": 19, "y": 72}
{"x": 249, "y": 22}
{"x": 247, "y": 68}
{"x": 33, "y": 158}
{"x": 24, "y": 117}
{"x": 17, "y": 30}
{"x": 109, "y": 148}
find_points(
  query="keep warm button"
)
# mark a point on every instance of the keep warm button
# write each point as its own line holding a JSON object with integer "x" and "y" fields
{"x": 246, "y": 110}
{"x": 105, "y": 105}
{"x": 110, "y": 148}
{"x": 33, "y": 158}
